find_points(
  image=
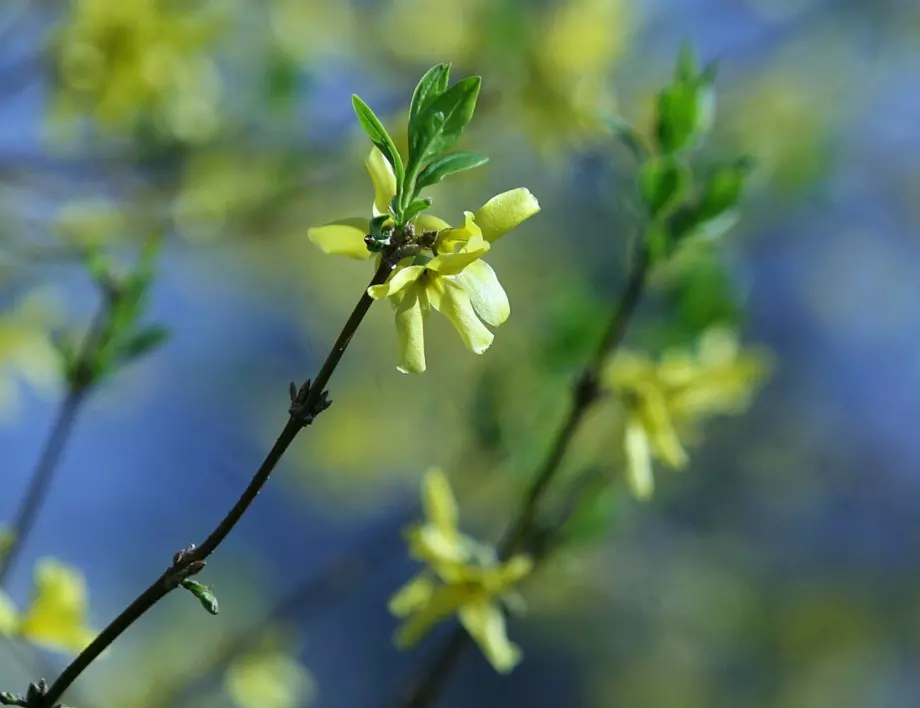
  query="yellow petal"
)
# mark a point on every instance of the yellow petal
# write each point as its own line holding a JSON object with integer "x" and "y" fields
{"x": 429, "y": 544}
{"x": 429, "y": 222}
{"x": 438, "y": 501}
{"x": 269, "y": 680}
{"x": 638, "y": 461}
{"x": 485, "y": 292}
{"x": 412, "y": 596}
{"x": 451, "y": 300}
{"x": 410, "y": 333}
{"x": 486, "y": 625}
{"x": 399, "y": 281}
{"x": 56, "y": 616}
{"x": 444, "y": 602}
{"x": 451, "y": 240}
{"x": 342, "y": 238}
{"x": 652, "y": 410}
{"x": 515, "y": 569}
{"x": 505, "y": 211}
{"x": 453, "y": 263}
{"x": 384, "y": 180}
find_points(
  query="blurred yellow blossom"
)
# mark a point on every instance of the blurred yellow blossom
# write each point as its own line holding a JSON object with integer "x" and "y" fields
{"x": 666, "y": 400}
{"x": 269, "y": 679}
{"x": 26, "y": 349}
{"x": 117, "y": 61}
{"x": 446, "y": 29}
{"x": 56, "y": 616}
{"x": 221, "y": 187}
{"x": 307, "y": 28}
{"x": 453, "y": 279}
{"x": 90, "y": 223}
{"x": 463, "y": 577}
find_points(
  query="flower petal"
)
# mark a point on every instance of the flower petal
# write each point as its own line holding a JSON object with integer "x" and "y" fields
{"x": 505, "y": 211}
{"x": 384, "y": 180}
{"x": 486, "y": 624}
{"x": 442, "y": 604}
{"x": 652, "y": 410}
{"x": 638, "y": 460}
{"x": 451, "y": 240}
{"x": 410, "y": 333}
{"x": 451, "y": 300}
{"x": 453, "y": 263}
{"x": 344, "y": 237}
{"x": 429, "y": 222}
{"x": 429, "y": 544}
{"x": 438, "y": 501}
{"x": 412, "y": 596}
{"x": 398, "y": 282}
{"x": 485, "y": 292}
{"x": 55, "y": 618}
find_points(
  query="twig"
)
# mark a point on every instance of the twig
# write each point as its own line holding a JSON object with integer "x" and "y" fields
{"x": 585, "y": 392}
{"x": 330, "y": 584}
{"x": 42, "y": 478}
{"x": 308, "y": 402}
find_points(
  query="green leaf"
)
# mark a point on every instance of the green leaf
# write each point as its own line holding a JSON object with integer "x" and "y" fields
{"x": 686, "y": 108}
{"x": 144, "y": 342}
{"x": 685, "y": 69}
{"x": 416, "y": 208}
{"x": 429, "y": 87}
{"x": 723, "y": 188}
{"x": 207, "y": 598}
{"x": 11, "y": 699}
{"x": 715, "y": 212}
{"x": 442, "y": 120}
{"x": 447, "y": 165}
{"x": 374, "y": 129}
{"x": 663, "y": 185}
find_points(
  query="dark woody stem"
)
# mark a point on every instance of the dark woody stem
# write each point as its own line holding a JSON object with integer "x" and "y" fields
{"x": 42, "y": 478}
{"x": 586, "y": 391}
{"x": 307, "y": 403}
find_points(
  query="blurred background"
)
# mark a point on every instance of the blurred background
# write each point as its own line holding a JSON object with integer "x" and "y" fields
{"x": 779, "y": 571}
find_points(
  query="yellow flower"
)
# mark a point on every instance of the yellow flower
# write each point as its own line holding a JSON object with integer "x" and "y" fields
{"x": 118, "y": 60}
{"x": 26, "y": 350}
{"x": 665, "y": 401}
{"x": 269, "y": 679}
{"x": 56, "y": 616}
{"x": 452, "y": 280}
{"x": 463, "y": 577}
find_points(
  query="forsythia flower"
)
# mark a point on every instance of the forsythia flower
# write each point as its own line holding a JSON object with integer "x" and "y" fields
{"x": 665, "y": 400}
{"x": 269, "y": 679}
{"x": 117, "y": 60}
{"x": 463, "y": 577}
{"x": 453, "y": 279}
{"x": 56, "y": 616}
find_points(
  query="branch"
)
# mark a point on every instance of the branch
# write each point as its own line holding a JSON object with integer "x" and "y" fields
{"x": 585, "y": 392}
{"x": 42, "y": 478}
{"x": 307, "y": 403}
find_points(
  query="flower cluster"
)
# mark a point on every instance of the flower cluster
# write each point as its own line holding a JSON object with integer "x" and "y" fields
{"x": 449, "y": 276}
{"x": 56, "y": 616}
{"x": 434, "y": 265}
{"x": 667, "y": 400}
{"x": 463, "y": 577}
{"x": 118, "y": 60}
